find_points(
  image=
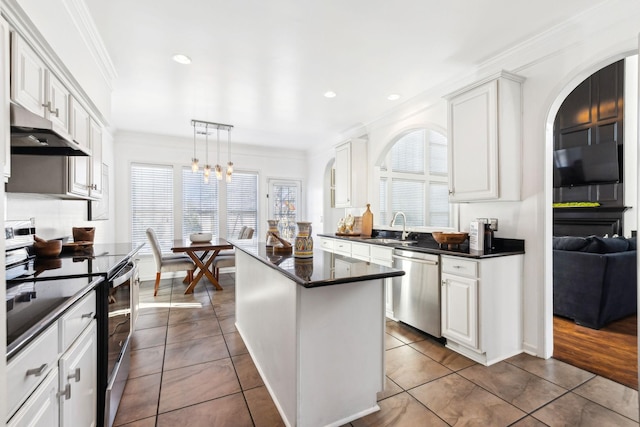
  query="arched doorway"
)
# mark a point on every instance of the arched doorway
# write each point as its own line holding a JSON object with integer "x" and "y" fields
{"x": 631, "y": 177}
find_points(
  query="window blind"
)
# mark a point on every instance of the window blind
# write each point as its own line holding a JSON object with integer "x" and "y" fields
{"x": 408, "y": 197}
{"x": 242, "y": 202}
{"x": 407, "y": 155}
{"x": 152, "y": 204}
{"x": 199, "y": 204}
{"x": 439, "y": 204}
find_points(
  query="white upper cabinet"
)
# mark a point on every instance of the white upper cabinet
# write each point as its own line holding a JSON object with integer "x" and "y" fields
{"x": 5, "y": 134}
{"x": 28, "y": 75}
{"x": 95, "y": 133}
{"x": 57, "y": 104}
{"x": 351, "y": 174}
{"x": 485, "y": 140}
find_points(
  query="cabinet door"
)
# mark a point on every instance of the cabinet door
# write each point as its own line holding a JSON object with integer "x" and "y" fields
{"x": 79, "y": 124}
{"x": 41, "y": 409}
{"x": 27, "y": 76}
{"x": 96, "y": 161}
{"x": 57, "y": 105}
{"x": 343, "y": 176}
{"x": 5, "y": 137}
{"x": 473, "y": 144}
{"x": 78, "y": 381}
{"x": 460, "y": 309}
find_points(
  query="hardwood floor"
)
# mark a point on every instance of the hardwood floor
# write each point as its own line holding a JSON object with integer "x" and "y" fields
{"x": 611, "y": 352}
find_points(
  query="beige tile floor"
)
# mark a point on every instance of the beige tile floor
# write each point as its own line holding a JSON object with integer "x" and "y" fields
{"x": 189, "y": 367}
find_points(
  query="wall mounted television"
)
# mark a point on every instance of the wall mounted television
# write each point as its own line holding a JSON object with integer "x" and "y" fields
{"x": 587, "y": 164}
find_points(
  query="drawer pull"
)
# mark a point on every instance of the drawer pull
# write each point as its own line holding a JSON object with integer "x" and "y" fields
{"x": 457, "y": 266}
{"x": 37, "y": 371}
{"x": 87, "y": 315}
{"x": 66, "y": 392}
{"x": 75, "y": 375}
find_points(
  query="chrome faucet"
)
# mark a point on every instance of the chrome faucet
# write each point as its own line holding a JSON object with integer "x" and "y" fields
{"x": 404, "y": 224}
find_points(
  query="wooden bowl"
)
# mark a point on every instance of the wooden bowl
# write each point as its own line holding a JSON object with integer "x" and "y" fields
{"x": 83, "y": 234}
{"x": 47, "y": 249}
{"x": 449, "y": 237}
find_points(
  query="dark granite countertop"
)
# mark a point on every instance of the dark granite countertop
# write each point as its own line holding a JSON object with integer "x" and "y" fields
{"x": 322, "y": 269}
{"x": 424, "y": 243}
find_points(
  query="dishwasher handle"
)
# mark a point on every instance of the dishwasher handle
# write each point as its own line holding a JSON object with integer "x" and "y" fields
{"x": 418, "y": 260}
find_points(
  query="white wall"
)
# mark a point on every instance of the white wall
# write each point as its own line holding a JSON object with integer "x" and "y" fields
{"x": 553, "y": 63}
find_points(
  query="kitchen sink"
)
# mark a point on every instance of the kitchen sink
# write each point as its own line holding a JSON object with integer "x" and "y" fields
{"x": 391, "y": 241}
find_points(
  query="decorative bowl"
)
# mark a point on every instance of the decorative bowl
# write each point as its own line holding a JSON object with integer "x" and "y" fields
{"x": 200, "y": 237}
{"x": 449, "y": 237}
{"x": 50, "y": 248}
{"x": 83, "y": 234}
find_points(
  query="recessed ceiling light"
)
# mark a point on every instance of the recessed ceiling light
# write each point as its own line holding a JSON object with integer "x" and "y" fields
{"x": 393, "y": 97}
{"x": 330, "y": 94}
{"x": 181, "y": 59}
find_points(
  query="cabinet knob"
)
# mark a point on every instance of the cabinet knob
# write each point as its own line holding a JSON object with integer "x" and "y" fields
{"x": 87, "y": 315}
{"x": 66, "y": 392}
{"x": 48, "y": 106}
{"x": 75, "y": 375}
{"x": 37, "y": 371}
{"x": 56, "y": 112}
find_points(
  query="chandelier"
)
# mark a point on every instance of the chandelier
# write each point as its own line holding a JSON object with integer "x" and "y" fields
{"x": 201, "y": 127}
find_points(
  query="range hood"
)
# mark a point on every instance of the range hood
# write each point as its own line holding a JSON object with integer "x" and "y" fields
{"x": 33, "y": 134}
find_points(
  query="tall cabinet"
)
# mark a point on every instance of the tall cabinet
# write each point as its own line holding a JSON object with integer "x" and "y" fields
{"x": 5, "y": 145}
{"x": 485, "y": 140}
{"x": 351, "y": 174}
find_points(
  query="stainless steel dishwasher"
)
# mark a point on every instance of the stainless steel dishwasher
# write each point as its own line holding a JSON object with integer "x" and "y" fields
{"x": 416, "y": 295}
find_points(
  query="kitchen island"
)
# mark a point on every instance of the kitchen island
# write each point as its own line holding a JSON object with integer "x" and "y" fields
{"x": 315, "y": 330}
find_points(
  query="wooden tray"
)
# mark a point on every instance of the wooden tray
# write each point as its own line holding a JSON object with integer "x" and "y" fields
{"x": 77, "y": 246}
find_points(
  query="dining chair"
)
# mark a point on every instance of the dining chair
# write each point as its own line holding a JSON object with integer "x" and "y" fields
{"x": 168, "y": 262}
{"x": 229, "y": 260}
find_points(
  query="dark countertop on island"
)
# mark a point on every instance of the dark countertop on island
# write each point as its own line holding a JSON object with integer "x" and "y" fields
{"x": 424, "y": 243}
{"x": 322, "y": 269}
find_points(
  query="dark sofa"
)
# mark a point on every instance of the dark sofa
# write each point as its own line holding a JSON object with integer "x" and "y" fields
{"x": 594, "y": 279}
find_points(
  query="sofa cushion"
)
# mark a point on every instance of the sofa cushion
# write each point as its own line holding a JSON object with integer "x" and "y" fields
{"x": 632, "y": 243}
{"x": 570, "y": 243}
{"x": 601, "y": 245}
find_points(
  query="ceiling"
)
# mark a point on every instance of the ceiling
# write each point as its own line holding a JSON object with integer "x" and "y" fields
{"x": 263, "y": 66}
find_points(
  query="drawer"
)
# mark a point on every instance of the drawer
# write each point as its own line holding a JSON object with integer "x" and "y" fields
{"x": 342, "y": 247}
{"x": 360, "y": 251}
{"x": 30, "y": 366}
{"x": 326, "y": 244}
{"x": 459, "y": 266}
{"x": 382, "y": 255}
{"x": 74, "y": 320}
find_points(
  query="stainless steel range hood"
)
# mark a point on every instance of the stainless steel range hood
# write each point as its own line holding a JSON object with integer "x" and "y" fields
{"x": 32, "y": 134}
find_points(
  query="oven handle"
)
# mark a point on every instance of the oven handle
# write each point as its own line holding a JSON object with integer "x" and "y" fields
{"x": 124, "y": 275}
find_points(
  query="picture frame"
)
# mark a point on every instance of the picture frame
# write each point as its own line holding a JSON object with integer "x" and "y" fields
{"x": 98, "y": 210}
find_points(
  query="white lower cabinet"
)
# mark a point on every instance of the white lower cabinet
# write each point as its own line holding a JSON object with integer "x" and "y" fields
{"x": 41, "y": 409}
{"x": 482, "y": 306}
{"x": 53, "y": 388}
{"x": 78, "y": 381}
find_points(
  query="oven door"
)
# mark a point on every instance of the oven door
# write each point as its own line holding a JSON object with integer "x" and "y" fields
{"x": 118, "y": 337}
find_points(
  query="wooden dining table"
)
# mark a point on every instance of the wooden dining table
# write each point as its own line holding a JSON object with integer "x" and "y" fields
{"x": 202, "y": 254}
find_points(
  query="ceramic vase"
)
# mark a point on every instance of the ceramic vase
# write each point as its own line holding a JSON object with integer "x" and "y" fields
{"x": 273, "y": 228}
{"x": 304, "y": 242}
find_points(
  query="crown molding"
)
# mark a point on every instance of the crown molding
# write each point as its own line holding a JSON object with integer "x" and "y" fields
{"x": 86, "y": 26}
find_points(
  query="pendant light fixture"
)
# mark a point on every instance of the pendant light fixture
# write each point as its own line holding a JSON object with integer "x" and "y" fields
{"x": 218, "y": 167}
{"x": 229, "y": 163}
{"x": 194, "y": 160}
{"x": 207, "y": 167}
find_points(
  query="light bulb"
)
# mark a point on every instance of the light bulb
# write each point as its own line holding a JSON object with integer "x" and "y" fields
{"x": 219, "y": 172}
{"x": 207, "y": 170}
{"x": 229, "y": 172}
{"x": 229, "y": 168}
{"x": 206, "y": 179}
{"x": 194, "y": 165}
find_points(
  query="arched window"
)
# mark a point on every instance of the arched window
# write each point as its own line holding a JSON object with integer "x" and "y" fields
{"x": 413, "y": 179}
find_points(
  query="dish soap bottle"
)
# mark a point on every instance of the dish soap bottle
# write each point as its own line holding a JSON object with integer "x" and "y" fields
{"x": 367, "y": 222}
